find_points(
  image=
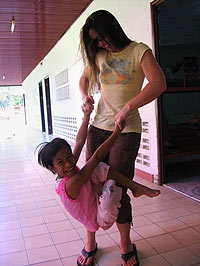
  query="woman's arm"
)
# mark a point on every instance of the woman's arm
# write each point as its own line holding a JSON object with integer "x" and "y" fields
{"x": 88, "y": 101}
{"x": 84, "y": 83}
{"x": 155, "y": 86}
{"x": 81, "y": 136}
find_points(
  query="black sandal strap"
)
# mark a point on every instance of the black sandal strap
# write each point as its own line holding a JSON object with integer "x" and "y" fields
{"x": 131, "y": 254}
{"x": 88, "y": 254}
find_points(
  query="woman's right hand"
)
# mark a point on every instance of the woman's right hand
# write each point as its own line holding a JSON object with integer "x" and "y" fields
{"x": 88, "y": 104}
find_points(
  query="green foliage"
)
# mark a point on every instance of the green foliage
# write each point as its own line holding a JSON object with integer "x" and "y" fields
{"x": 9, "y": 97}
{"x": 18, "y": 100}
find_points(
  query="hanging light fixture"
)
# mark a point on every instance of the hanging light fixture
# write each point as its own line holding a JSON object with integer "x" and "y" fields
{"x": 12, "y": 28}
{"x": 3, "y": 77}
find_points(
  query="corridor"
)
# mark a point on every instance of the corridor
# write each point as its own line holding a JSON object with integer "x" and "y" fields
{"x": 36, "y": 229}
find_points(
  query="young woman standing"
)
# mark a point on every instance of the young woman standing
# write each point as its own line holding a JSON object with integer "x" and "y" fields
{"x": 120, "y": 66}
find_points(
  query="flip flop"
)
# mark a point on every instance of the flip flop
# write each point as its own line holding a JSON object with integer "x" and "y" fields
{"x": 87, "y": 255}
{"x": 131, "y": 254}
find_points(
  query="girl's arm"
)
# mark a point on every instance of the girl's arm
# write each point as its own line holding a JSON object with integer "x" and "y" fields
{"x": 74, "y": 183}
{"x": 81, "y": 136}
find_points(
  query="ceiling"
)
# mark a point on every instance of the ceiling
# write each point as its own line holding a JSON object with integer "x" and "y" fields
{"x": 39, "y": 24}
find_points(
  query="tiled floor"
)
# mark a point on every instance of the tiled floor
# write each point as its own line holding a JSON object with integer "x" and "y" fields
{"x": 36, "y": 229}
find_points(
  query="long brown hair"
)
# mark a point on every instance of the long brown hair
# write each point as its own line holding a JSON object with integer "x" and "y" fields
{"x": 105, "y": 25}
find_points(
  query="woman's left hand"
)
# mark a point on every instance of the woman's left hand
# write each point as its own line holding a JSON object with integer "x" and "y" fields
{"x": 120, "y": 118}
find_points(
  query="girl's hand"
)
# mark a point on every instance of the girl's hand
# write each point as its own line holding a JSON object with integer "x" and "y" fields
{"x": 88, "y": 104}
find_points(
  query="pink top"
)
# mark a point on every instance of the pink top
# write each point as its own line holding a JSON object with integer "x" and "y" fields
{"x": 84, "y": 208}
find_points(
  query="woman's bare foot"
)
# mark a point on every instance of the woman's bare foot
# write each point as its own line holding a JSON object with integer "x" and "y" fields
{"x": 131, "y": 261}
{"x": 130, "y": 258}
{"x": 140, "y": 190}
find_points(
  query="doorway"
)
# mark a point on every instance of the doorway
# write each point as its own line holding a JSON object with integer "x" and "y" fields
{"x": 177, "y": 51}
{"x": 42, "y": 106}
{"x": 48, "y": 105}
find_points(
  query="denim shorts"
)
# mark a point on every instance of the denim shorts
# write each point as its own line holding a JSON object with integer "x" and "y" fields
{"x": 121, "y": 158}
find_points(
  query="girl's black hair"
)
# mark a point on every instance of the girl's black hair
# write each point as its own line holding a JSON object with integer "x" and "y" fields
{"x": 105, "y": 25}
{"x": 47, "y": 150}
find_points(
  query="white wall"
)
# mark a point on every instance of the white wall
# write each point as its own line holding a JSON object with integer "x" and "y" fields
{"x": 135, "y": 18}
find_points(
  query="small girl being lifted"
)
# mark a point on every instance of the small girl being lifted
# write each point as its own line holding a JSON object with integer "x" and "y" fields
{"x": 90, "y": 194}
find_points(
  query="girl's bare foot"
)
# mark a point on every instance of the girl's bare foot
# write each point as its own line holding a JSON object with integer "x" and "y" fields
{"x": 143, "y": 190}
{"x": 87, "y": 255}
